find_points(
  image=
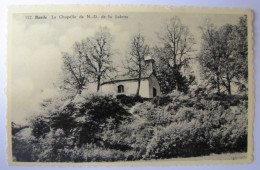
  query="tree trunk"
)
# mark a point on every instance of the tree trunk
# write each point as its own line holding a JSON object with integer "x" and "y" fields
{"x": 228, "y": 84}
{"x": 218, "y": 84}
{"x": 98, "y": 81}
{"x": 218, "y": 79}
{"x": 139, "y": 83}
{"x": 175, "y": 72}
{"x": 138, "y": 87}
{"x": 229, "y": 90}
{"x": 139, "y": 77}
{"x": 79, "y": 89}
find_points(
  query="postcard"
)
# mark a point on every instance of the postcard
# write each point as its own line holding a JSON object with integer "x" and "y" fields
{"x": 129, "y": 86}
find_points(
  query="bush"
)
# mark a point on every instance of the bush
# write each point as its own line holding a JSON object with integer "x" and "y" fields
{"x": 25, "y": 147}
{"x": 23, "y": 151}
{"x": 103, "y": 128}
{"x": 98, "y": 110}
{"x": 129, "y": 100}
{"x": 180, "y": 139}
{"x": 40, "y": 127}
{"x": 54, "y": 146}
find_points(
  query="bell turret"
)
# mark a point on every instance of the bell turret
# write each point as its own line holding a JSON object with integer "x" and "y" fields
{"x": 149, "y": 61}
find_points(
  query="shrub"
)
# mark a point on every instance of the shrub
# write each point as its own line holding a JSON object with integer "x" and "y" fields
{"x": 212, "y": 128}
{"x": 161, "y": 101}
{"x": 54, "y": 147}
{"x": 176, "y": 140}
{"x": 98, "y": 110}
{"x": 24, "y": 146}
{"x": 103, "y": 128}
{"x": 40, "y": 126}
{"x": 129, "y": 100}
{"x": 22, "y": 150}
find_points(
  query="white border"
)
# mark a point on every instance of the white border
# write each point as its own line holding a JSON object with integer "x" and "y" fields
{"x": 253, "y": 4}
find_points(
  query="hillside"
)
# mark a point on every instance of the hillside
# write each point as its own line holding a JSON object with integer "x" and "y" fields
{"x": 107, "y": 128}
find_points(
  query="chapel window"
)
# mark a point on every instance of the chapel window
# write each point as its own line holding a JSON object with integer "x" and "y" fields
{"x": 120, "y": 89}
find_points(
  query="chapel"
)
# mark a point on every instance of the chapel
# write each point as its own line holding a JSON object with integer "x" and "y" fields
{"x": 127, "y": 84}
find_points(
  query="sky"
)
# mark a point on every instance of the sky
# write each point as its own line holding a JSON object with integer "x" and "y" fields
{"x": 36, "y": 47}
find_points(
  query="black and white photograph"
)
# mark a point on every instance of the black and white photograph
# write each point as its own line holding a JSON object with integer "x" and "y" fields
{"x": 139, "y": 85}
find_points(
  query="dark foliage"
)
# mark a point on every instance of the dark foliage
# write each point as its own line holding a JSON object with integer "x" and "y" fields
{"x": 98, "y": 111}
{"x": 22, "y": 151}
{"x": 16, "y": 128}
{"x": 40, "y": 127}
{"x": 222, "y": 56}
{"x": 172, "y": 79}
{"x": 64, "y": 119}
{"x": 130, "y": 100}
{"x": 102, "y": 128}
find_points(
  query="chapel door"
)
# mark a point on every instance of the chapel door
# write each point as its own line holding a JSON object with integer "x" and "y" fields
{"x": 154, "y": 92}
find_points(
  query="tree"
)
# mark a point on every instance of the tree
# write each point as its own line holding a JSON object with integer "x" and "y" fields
{"x": 75, "y": 72}
{"x": 209, "y": 55}
{"x": 227, "y": 62}
{"x": 90, "y": 61}
{"x": 239, "y": 44}
{"x": 173, "y": 55}
{"x": 223, "y": 54}
{"x": 98, "y": 56}
{"x": 136, "y": 65}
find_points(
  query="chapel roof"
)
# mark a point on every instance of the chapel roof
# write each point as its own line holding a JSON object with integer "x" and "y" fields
{"x": 126, "y": 77}
{"x": 130, "y": 77}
